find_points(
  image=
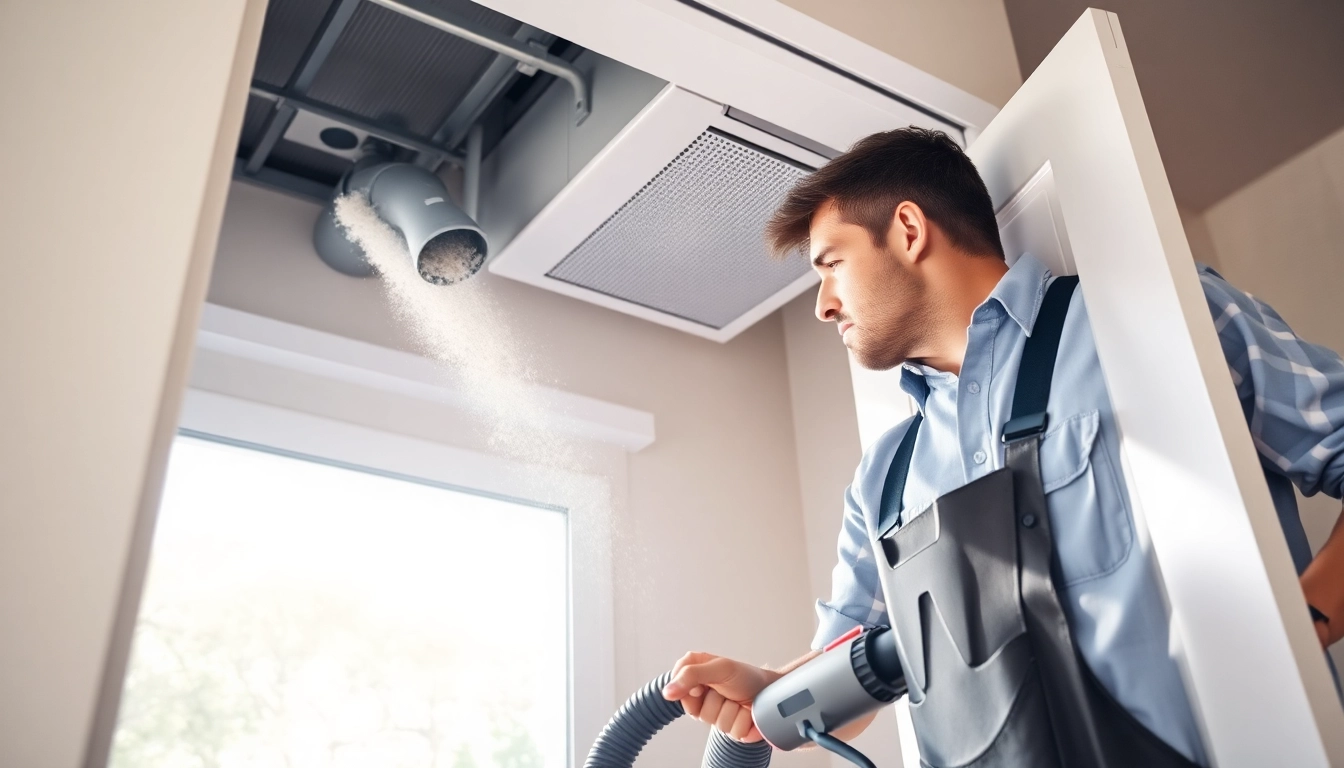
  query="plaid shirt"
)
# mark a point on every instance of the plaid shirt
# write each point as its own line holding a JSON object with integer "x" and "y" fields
{"x": 1292, "y": 393}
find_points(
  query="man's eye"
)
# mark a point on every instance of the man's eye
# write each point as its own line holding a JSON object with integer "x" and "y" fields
{"x": 831, "y": 264}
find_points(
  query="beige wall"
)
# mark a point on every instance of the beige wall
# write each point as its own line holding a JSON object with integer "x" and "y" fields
{"x": 713, "y": 555}
{"x": 1200, "y": 238}
{"x": 1281, "y": 238}
{"x": 107, "y": 255}
{"x": 966, "y": 43}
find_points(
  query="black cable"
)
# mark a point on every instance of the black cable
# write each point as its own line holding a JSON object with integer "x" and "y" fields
{"x": 826, "y": 741}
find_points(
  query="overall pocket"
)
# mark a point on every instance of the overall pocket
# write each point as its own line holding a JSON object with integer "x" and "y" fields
{"x": 1092, "y": 528}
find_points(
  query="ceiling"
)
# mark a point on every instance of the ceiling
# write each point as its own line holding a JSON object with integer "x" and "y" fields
{"x": 1233, "y": 87}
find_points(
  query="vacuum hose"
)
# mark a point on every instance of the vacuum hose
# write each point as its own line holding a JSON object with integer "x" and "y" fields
{"x": 857, "y": 674}
{"x": 644, "y": 714}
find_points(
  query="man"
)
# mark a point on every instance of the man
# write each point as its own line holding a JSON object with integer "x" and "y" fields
{"x": 902, "y": 231}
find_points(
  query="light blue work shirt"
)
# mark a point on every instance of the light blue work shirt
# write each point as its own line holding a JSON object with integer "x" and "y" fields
{"x": 1293, "y": 396}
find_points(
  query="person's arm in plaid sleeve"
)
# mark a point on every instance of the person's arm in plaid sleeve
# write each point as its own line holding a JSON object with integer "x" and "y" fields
{"x": 1293, "y": 393}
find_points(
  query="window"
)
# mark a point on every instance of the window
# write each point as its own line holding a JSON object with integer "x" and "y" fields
{"x": 305, "y": 612}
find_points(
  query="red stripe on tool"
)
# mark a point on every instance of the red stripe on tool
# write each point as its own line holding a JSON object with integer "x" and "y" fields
{"x": 841, "y": 640}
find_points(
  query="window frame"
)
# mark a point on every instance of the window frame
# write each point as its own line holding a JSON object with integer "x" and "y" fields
{"x": 253, "y": 384}
{"x": 259, "y": 426}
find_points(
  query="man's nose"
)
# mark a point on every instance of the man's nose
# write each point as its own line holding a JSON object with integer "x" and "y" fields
{"x": 827, "y": 305}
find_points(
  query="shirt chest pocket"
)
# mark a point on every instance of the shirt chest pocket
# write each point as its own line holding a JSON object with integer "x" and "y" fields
{"x": 1092, "y": 527}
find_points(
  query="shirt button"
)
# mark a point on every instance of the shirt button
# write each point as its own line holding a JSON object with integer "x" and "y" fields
{"x": 979, "y": 457}
{"x": 973, "y": 388}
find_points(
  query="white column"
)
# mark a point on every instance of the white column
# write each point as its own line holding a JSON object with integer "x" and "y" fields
{"x": 121, "y": 120}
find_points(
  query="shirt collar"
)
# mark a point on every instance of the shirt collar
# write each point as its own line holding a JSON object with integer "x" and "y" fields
{"x": 1020, "y": 292}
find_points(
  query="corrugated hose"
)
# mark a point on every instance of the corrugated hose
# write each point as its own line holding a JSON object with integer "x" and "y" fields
{"x": 644, "y": 714}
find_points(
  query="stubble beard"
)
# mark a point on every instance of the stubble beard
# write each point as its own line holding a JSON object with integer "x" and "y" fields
{"x": 898, "y": 312}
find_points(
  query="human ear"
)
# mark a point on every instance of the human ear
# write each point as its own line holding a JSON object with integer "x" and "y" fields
{"x": 909, "y": 232}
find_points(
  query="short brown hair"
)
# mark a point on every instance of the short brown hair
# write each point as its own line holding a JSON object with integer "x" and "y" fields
{"x": 877, "y": 174}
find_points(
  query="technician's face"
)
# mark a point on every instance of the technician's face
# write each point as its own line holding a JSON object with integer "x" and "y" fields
{"x": 876, "y": 301}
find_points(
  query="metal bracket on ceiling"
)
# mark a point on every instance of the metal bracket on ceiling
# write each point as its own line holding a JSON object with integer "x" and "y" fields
{"x": 282, "y": 114}
{"x": 454, "y": 25}
{"x": 471, "y": 176}
{"x": 497, "y": 77}
{"x": 354, "y": 121}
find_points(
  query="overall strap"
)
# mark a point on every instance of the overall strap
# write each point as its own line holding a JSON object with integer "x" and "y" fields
{"x": 1079, "y": 730}
{"x": 893, "y": 490}
{"x": 1037, "y": 368}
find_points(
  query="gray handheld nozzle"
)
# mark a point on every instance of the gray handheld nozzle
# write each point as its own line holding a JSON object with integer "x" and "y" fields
{"x": 851, "y": 679}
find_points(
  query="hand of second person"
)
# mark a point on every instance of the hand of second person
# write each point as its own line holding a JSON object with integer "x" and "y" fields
{"x": 719, "y": 691}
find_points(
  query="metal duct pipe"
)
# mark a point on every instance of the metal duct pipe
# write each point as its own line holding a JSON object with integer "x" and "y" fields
{"x": 471, "y": 172}
{"x": 446, "y": 22}
{"x": 445, "y": 243}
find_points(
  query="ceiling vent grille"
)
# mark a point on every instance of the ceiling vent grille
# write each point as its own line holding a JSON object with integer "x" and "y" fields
{"x": 689, "y": 243}
{"x": 666, "y": 221}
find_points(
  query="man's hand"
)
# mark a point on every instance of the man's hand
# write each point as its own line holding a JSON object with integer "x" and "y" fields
{"x": 719, "y": 691}
{"x": 1323, "y": 586}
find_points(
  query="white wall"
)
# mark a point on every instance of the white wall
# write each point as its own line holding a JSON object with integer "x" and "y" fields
{"x": 1281, "y": 238}
{"x": 107, "y": 252}
{"x": 966, "y": 43}
{"x": 711, "y": 555}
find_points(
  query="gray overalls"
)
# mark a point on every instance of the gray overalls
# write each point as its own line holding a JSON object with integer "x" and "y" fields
{"x": 993, "y": 674}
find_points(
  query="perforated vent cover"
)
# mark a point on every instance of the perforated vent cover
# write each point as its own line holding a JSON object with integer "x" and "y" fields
{"x": 690, "y": 242}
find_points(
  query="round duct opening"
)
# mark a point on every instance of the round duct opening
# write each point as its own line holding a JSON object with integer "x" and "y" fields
{"x": 452, "y": 256}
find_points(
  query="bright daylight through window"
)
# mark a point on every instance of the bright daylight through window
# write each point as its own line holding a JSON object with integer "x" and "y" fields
{"x": 303, "y": 614}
